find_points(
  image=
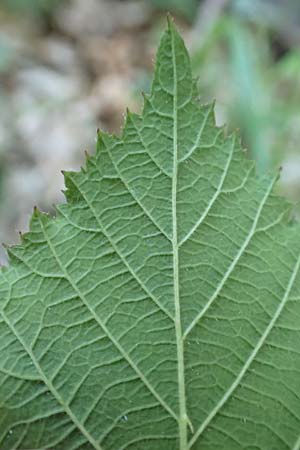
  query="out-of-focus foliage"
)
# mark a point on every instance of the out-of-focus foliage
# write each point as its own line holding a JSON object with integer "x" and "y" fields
{"x": 31, "y": 6}
{"x": 277, "y": 13}
{"x": 185, "y": 7}
{"x": 258, "y": 90}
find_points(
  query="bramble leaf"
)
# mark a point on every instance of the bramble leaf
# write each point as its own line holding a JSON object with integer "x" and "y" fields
{"x": 160, "y": 309}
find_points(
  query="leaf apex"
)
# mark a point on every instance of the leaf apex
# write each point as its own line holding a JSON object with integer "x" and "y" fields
{"x": 169, "y": 19}
{"x": 170, "y": 22}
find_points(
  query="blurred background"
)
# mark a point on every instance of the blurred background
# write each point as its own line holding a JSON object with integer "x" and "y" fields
{"x": 68, "y": 67}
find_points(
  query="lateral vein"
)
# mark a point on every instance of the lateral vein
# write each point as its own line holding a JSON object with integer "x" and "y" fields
{"x": 234, "y": 262}
{"x": 214, "y": 198}
{"x": 106, "y": 330}
{"x": 250, "y": 359}
{"x": 50, "y": 386}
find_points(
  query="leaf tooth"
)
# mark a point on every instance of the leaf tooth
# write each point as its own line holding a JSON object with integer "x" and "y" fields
{"x": 87, "y": 157}
{"x": 36, "y": 211}
{"x": 146, "y": 101}
{"x": 128, "y": 121}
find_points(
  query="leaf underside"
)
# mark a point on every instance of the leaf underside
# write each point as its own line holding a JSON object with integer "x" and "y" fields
{"x": 160, "y": 309}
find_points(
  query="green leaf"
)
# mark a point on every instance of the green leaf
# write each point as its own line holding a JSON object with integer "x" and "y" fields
{"x": 160, "y": 309}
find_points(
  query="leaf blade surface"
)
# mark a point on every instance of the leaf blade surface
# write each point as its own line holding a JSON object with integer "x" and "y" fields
{"x": 159, "y": 309}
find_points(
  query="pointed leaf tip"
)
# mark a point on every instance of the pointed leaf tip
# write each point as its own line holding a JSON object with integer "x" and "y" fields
{"x": 170, "y": 22}
{"x": 169, "y": 19}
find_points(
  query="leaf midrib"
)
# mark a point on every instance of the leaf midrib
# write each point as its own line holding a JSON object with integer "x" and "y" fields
{"x": 183, "y": 418}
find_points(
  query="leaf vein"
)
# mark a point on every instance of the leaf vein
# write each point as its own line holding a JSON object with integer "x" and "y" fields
{"x": 49, "y": 385}
{"x": 106, "y": 330}
{"x": 251, "y": 357}
{"x": 235, "y": 260}
{"x": 214, "y": 197}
